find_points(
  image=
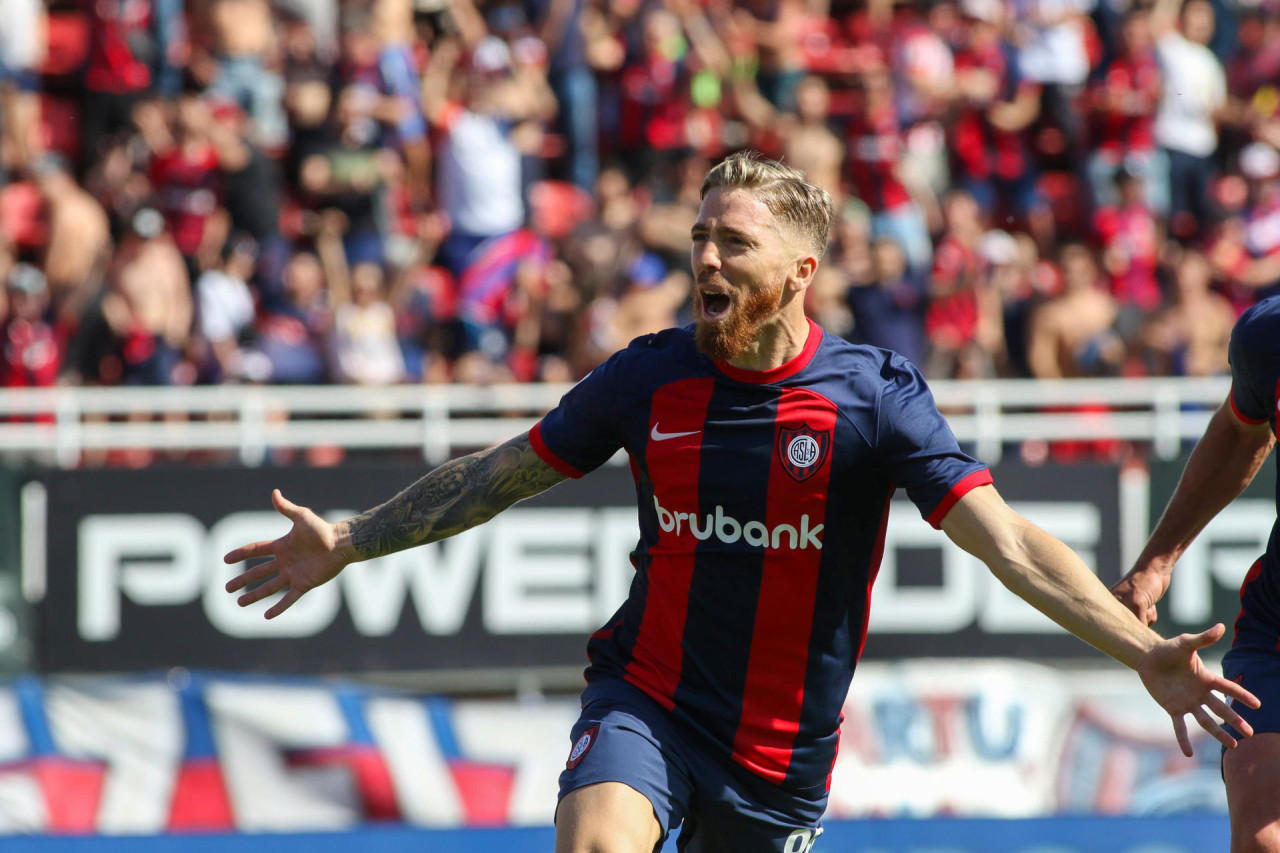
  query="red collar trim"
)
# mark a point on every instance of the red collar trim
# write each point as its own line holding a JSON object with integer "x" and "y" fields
{"x": 782, "y": 371}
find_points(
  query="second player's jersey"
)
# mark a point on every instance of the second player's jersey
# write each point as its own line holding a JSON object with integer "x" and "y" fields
{"x": 1255, "y": 395}
{"x": 763, "y": 501}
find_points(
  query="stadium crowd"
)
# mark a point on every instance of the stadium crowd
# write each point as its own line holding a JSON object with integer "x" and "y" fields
{"x": 381, "y": 191}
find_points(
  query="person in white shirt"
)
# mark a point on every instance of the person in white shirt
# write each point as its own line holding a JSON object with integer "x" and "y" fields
{"x": 1195, "y": 95}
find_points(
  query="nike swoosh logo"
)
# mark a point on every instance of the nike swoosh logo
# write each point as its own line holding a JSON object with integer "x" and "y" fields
{"x": 658, "y": 435}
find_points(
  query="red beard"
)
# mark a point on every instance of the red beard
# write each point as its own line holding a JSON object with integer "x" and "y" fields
{"x": 726, "y": 339}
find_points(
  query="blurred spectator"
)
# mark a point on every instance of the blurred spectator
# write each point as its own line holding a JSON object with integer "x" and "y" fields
{"x": 79, "y": 243}
{"x": 560, "y": 27}
{"x": 184, "y": 176}
{"x": 225, "y": 310}
{"x": 1073, "y": 334}
{"x": 363, "y": 345}
{"x": 1053, "y": 39}
{"x": 1247, "y": 251}
{"x": 1194, "y": 98}
{"x": 1123, "y": 101}
{"x": 291, "y": 333}
{"x": 957, "y": 290}
{"x": 996, "y": 105}
{"x": 30, "y": 355}
{"x": 775, "y": 28}
{"x": 135, "y": 47}
{"x": 1189, "y": 336}
{"x": 807, "y": 141}
{"x": 147, "y": 306}
{"x": 23, "y": 32}
{"x": 924, "y": 79}
{"x": 233, "y": 57}
{"x": 478, "y": 113}
{"x": 654, "y": 94}
{"x": 875, "y": 153}
{"x": 888, "y": 311}
{"x": 1130, "y": 245}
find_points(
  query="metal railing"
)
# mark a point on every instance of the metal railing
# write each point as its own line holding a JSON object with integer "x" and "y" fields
{"x": 443, "y": 420}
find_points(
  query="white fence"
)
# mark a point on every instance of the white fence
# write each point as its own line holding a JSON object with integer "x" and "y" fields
{"x": 442, "y": 420}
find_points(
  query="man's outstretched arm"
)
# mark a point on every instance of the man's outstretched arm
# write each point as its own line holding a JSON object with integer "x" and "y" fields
{"x": 1047, "y": 574}
{"x": 1223, "y": 463}
{"x": 456, "y": 496}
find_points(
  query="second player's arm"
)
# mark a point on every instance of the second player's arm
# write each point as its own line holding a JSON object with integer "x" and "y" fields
{"x": 456, "y": 496}
{"x": 1223, "y": 463}
{"x": 1052, "y": 578}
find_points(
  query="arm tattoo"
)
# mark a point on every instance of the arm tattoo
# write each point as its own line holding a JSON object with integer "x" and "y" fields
{"x": 454, "y": 497}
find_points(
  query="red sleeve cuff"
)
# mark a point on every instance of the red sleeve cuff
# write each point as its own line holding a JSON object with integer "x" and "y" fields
{"x": 544, "y": 452}
{"x": 959, "y": 490}
{"x": 1241, "y": 415}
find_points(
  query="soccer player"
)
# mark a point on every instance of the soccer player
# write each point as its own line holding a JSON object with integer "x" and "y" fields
{"x": 1234, "y": 446}
{"x": 764, "y": 452}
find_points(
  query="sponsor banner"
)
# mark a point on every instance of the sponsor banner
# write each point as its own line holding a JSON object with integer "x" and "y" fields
{"x": 1199, "y": 834}
{"x": 218, "y": 753}
{"x": 135, "y": 576}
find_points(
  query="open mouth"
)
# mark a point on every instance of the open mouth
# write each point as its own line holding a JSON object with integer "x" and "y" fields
{"x": 715, "y": 305}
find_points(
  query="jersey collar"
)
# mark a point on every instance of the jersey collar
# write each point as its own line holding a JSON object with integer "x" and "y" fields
{"x": 782, "y": 371}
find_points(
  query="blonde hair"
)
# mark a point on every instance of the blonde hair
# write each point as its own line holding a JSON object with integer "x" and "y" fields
{"x": 785, "y": 191}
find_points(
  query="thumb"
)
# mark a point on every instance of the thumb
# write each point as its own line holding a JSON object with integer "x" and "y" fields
{"x": 1205, "y": 638}
{"x": 285, "y": 507}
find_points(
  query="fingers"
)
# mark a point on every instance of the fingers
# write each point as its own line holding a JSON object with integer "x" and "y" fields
{"x": 260, "y": 572}
{"x": 1180, "y": 729}
{"x": 250, "y": 552}
{"x": 271, "y": 587}
{"x": 1229, "y": 716}
{"x": 284, "y": 603}
{"x": 1236, "y": 692}
{"x": 1210, "y": 725}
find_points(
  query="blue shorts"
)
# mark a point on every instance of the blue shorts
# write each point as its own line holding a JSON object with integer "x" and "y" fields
{"x": 624, "y": 736}
{"x": 1254, "y": 664}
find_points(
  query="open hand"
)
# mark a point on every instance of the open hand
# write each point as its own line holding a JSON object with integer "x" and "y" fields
{"x": 302, "y": 559}
{"x": 1175, "y": 677}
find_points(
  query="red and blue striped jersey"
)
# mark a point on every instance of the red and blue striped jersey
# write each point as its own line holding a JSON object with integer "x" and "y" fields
{"x": 763, "y": 500}
{"x": 1255, "y": 396}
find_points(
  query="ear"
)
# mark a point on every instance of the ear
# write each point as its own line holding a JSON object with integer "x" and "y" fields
{"x": 802, "y": 271}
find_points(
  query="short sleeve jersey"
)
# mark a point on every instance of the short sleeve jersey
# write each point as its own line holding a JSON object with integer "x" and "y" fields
{"x": 763, "y": 498}
{"x": 1255, "y": 395}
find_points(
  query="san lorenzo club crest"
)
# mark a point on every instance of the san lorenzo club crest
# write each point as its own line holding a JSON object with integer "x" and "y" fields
{"x": 582, "y": 746}
{"x": 803, "y": 451}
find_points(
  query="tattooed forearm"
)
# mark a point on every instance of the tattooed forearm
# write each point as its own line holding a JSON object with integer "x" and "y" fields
{"x": 458, "y": 495}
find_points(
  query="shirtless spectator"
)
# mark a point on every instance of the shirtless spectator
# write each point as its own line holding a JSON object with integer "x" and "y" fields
{"x": 79, "y": 244}
{"x": 807, "y": 141}
{"x": 1189, "y": 336}
{"x": 1073, "y": 334}
{"x": 239, "y": 50}
{"x": 148, "y": 304}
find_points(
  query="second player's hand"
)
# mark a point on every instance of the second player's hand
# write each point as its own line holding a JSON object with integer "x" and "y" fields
{"x": 301, "y": 560}
{"x": 1175, "y": 677}
{"x": 1140, "y": 590}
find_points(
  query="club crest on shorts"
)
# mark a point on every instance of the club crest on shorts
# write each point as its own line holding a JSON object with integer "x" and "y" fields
{"x": 803, "y": 451}
{"x": 582, "y": 746}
